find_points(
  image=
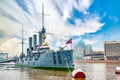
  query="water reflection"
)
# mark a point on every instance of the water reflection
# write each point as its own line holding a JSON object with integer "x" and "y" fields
{"x": 93, "y": 71}
{"x": 110, "y": 71}
{"x": 99, "y": 71}
{"x": 6, "y": 73}
{"x": 37, "y": 74}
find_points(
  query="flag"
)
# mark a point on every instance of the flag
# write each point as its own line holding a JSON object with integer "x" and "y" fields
{"x": 69, "y": 41}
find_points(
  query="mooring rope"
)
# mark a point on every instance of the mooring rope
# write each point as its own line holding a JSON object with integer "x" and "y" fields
{"x": 68, "y": 67}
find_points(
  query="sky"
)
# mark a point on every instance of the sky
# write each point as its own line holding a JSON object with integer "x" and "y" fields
{"x": 93, "y": 21}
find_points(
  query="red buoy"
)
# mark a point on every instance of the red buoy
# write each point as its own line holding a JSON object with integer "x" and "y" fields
{"x": 117, "y": 70}
{"x": 78, "y": 73}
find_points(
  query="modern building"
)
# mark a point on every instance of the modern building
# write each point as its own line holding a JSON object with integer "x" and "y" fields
{"x": 81, "y": 49}
{"x": 112, "y": 50}
{"x": 95, "y": 55}
{"x": 3, "y": 56}
{"x": 88, "y": 49}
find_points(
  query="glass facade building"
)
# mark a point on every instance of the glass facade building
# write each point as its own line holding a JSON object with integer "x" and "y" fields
{"x": 81, "y": 49}
{"x": 3, "y": 56}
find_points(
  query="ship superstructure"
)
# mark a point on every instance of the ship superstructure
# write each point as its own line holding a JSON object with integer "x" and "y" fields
{"x": 41, "y": 56}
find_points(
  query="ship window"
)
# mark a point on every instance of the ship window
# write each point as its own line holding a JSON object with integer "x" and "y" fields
{"x": 22, "y": 60}
{"x": 36, "y": 59}
{"x": 59, "y": 58}
{"x": 54, "y": 59}
{"x": 30, "y": 59}
{"x": 38, "y": 56}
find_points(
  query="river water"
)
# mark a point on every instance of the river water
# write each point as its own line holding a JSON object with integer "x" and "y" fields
{"x": 93, "y": 71}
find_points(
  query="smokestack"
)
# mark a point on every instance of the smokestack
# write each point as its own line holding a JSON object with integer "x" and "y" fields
{"x": 34, "y": 41}
{"x": 40, "y": 38}
{"x": 30, "y": 43}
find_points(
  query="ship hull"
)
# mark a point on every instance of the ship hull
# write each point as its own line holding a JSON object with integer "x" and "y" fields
{"x": 60, "y": 60}
{"x": 49, "y": 68}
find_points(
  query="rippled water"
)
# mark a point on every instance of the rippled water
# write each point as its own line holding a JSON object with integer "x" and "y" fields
{"x": 93, "y": 71}
{"x": 99, "y": 71}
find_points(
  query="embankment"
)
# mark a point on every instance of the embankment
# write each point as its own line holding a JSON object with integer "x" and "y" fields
{"x": 97, "y": 61}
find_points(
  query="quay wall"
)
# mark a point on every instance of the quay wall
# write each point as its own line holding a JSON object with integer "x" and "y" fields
{"x": 97, "y": 61}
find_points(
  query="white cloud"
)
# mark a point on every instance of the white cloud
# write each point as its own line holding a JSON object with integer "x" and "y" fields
{"x": 114, "y": 18}
{"x": 90, "y": 41}
{"x": 58, "y": 25}
{"x": 55, "y": 23}
{"x": 83, "y": 5}
{"x": 11, "y": 46}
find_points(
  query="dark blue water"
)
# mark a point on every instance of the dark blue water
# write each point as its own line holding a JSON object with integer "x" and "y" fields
{"x": 93, "y": 71}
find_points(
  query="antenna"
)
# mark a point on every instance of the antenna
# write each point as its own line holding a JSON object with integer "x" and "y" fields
{"x": 22, "y": 54}
{"x": 42, "y": 15}
{"x": 22, "y": 39}
{"x": 43, "y": 30}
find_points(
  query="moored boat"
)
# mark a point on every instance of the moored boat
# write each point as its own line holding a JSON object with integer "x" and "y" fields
{"x": 39, "y": 55}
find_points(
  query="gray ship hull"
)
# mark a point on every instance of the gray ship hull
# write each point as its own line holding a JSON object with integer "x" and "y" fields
{"x": 59, "y": 60}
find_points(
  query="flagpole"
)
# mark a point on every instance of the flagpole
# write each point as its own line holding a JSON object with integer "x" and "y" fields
{"x": 71, "y": 46}
{"x": 69, "y": 42}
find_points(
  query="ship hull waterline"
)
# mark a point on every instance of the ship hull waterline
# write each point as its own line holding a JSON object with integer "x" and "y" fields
{"x": 48, "y": 68}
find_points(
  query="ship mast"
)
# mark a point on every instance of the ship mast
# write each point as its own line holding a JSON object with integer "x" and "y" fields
{"x": 43, "y": 28}
{"x": 22, "y": 40}
{"x": 42, "y": 15}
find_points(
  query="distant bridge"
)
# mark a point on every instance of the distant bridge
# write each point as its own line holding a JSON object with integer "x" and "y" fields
{"x": 5, "y": 61}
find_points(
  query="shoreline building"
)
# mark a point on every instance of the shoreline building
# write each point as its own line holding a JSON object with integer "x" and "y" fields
{"x": 112, "y": 50}
{"x": 95, "y": 55}
{"x": 81, "y": 49}
{"x": 88, "y": 49}
{"x": 3, "y": 56}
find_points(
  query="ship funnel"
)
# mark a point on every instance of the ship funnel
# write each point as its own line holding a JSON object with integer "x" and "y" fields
{"x": 40, "y": 38}
{"x": 30, "y": 43}
{"x": 34, "y": 41}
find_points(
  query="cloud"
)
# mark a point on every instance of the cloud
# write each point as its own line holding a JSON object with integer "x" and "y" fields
{"x": 23, "y": 5}
{"x": 90, "y": 42}
{"x": 3, "y": 13}
{"x": 65, "y": 8}
{"x": 114, "y": 18}
{"x": 59, "y": 11}
{"x": 1, "y": 34}
{"x": 90, "y": 24}
{"x": 83, "y": 5}
{"x": 12, "y": 17}
{"x": 15, "y": 49}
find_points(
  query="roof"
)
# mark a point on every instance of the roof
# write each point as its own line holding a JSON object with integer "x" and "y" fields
{"x": 93, "y": 54}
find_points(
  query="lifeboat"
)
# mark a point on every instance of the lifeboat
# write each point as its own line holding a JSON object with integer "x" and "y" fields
{"x": 117, "y": 70}
{"x": 78, "y": 74}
